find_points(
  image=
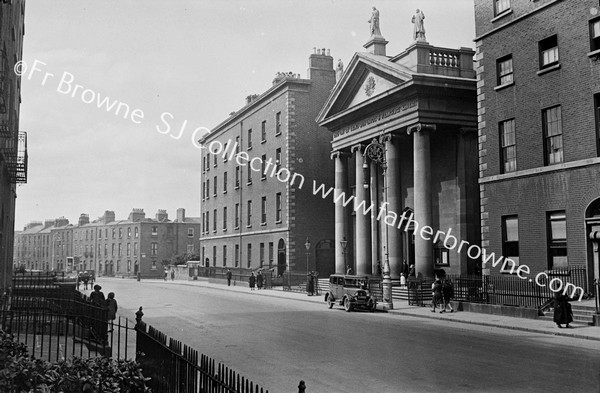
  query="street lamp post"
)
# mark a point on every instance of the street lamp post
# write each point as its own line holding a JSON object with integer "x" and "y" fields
{"x": 375, "y": 151}
{"x": 307, "y": 245}
{"x": 344, "y": 244}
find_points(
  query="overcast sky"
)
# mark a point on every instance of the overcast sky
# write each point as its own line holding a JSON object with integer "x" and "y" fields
{"x": 197, "y": 61}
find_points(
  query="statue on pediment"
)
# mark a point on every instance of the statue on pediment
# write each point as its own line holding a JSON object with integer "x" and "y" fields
{"x": 419, "y": 29}
{"x": 374, "y": 22}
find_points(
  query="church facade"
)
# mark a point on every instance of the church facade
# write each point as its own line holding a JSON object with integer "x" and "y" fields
{"x": 404, "y": 143}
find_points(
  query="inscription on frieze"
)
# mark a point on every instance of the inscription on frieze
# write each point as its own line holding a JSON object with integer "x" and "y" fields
{"x": 381, "y": 116}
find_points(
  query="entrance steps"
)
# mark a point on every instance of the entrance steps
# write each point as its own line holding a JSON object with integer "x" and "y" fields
{"x": 582, "y": 314}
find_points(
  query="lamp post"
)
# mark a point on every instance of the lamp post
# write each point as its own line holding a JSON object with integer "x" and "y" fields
{"x": 344, "y": 244}
{"x": 307, "y": 245}
{"x": 375, "y": 151}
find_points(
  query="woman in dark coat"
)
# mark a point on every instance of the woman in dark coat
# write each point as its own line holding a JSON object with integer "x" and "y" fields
{"x": 562, "y": 311}
{"x": 259, "y": 280}
{"x": 252, "y": 281}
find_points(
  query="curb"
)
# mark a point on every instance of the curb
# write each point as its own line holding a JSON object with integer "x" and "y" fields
{"x": 525, "y": 329}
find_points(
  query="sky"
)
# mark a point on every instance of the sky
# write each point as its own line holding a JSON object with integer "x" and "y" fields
{"x": 171, "y": 67}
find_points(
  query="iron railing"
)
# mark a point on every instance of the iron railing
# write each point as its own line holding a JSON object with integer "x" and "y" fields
{"x": 189, "y": 371}
{"x": 506, "y": 290}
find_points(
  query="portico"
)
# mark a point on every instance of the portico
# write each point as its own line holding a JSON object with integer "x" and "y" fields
{"x": 417, "y": 110}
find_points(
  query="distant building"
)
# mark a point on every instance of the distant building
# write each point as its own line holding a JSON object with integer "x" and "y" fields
{"x": 257, "y": 206}
{"x": 404, "y": 143}
{"x": 107, "y": 246}
{"x": 13, "y": 143}
{"x": 539, "y": 132}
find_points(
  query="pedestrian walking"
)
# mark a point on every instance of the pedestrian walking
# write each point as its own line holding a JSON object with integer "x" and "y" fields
{"x": 259, "y": 280}
{"x": 436, "y": 292}
{"x": 86, "y": 278}
{"x": 228, "y": 277}
{"x": 402, "y": 281}
{"x": 310, "y": 285}
{"x": 166, "y": 273}
{"x": 111, "y": 305}
{"x": 252, "y": 281}
{"x": 172, "y": 274}
{"x": 97, "y": 297}
{"x": 78, "y": 282}
{"x": 447, "y": 295}
{"x": 562, "y": 311}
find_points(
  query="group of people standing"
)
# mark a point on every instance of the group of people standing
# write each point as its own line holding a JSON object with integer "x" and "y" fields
{"x": 257, "y": 280}
{"x": 442, "y": 293}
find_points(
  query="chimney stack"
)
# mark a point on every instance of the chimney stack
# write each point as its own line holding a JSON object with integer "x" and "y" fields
{"x": 109, "y": 216}
{"x": 137, "y": 215}
{"x": 83, "y": 219}
{"x": 320, "y": 65}
{"x": 181, "y": 215}
{"x": 162, "y": 215}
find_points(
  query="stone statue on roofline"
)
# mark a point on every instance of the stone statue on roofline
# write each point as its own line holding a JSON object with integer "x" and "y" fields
{"x": 419, "y": 29}
{"x": 374, "y": 22}
{"x": 339, "y": 70}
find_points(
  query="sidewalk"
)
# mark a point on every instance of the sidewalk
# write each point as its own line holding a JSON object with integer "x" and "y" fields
{"x": 402, "y": 308}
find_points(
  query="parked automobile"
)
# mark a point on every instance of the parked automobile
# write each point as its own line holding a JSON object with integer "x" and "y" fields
{"x": 351, "y": 292}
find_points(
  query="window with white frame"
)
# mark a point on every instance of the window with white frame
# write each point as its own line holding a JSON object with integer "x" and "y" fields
{"x": 508, "y": 148}
{"x": 548, "y": 52}
{"x": 553, "y": 146}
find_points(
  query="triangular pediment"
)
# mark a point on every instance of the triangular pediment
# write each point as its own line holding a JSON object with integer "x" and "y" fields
{"x": 367, "y": 77}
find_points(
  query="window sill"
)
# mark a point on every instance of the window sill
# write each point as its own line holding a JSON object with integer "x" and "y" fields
{"x": 594, "y": 55}
{"x": 249, "y": 226}
{"x": 249, "y": 148}
{"x": 236, "y": 228}
{"x": 548, "y": 69}
{"x": 236, "y": 188}
{"x": 262, "y": 224}
{"x": 214, "y": 195}
{"x": 214, "y": 231}
{"x": 278, "y": 133}
{"x": 249, "y": 183}
{"x": 263, "y": 178}
{"x": 502, "y": 15}
{"x": 278, "y": 222}
{"x": 263, "y": 141}
{"x": 224, "y": 229}
{"x": 224, "y": 191}
{"x": 500, "y": 87}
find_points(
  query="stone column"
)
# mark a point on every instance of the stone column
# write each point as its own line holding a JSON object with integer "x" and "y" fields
{"x": 422, "y": 196}
{"x": 362, "y": 202}
{"x": 374, "y": 189}
{"x": 341, "y": 220}
{"x": 394, "y": 199}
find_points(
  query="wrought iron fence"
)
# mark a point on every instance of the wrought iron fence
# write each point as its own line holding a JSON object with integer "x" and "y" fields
{"x": 189, "y": 371}
{"x": 507, "y": 290}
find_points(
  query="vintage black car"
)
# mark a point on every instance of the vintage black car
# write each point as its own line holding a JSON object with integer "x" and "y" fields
{"x": 351, "y": 292}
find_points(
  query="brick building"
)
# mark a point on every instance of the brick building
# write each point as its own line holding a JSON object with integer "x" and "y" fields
{"x": 538, "y": 104}
{"x": 257, "y": 203}
{"x": 13, "y": 143}
{"x": 108, "y": 246}
{"x": 405, "y": 147}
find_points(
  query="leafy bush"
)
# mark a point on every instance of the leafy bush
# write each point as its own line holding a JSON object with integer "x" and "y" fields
{"x": 20, "y": 373}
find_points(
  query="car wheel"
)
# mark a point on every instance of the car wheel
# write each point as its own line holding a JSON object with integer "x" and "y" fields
{"x": 347, "y": 305}
{"x": 330, "y": 301}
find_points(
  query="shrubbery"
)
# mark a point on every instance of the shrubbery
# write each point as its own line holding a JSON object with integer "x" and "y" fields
{"x": 20, "y": 373}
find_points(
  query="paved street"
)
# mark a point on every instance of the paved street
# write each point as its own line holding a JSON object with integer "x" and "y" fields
{"x": 277, "y": 341}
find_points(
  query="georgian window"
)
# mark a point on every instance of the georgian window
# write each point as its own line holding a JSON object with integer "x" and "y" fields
{"x": 249, "y": 214}
{"x": 510, "y": 241}
{"x": 278, "y": 123}
{"x": 501, "y": 6}
{"x": 263, "y": 211}
{"x": 250, "y": 139}
{"x": 548, "y": 52}
{"x": 504, "y": 70}
{"x": 237, "y": 216}
{"x": 553, "y": 144}
{"x": 278, "y": 207}
{"x": 557, "y": 240}
{"x": 263, "y": 131}
{"x": 508, "y": 148}
{"x": 595, "y": 35}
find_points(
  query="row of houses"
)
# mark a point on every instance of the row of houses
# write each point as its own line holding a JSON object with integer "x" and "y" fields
{"x": 13, "y": 141}
{"x": 108, "y": 246}
{"x": 497, "y": 147}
